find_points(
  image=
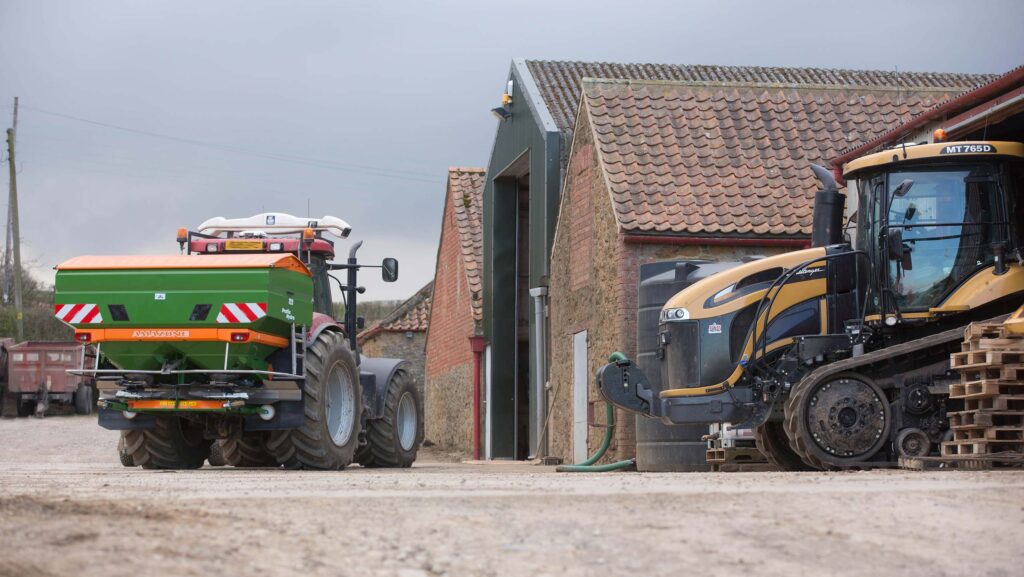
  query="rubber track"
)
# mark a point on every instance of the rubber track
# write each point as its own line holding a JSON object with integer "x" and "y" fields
{"x": 801, "y": 389}
{"x": 768, "y": 442}
{"x": 382, "y": 448}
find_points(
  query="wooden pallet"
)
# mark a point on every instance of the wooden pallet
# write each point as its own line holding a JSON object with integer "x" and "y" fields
{"x": 975, "y": 447}
{"x": 743, "y": 467}
{"x": 1001, "y": 403}
{"x": 968, "y": 360}
{"x": 979, "y": 331}
{"x": 986, "y": 418}
{"x": 1012, "y": 372}
{"x": 735, "y": 455}
{"x": 985, "y": 388}
{"x": 972, "y": 433}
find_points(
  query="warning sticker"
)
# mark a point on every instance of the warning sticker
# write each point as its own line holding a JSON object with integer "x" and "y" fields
{"x": 714, "y": 329}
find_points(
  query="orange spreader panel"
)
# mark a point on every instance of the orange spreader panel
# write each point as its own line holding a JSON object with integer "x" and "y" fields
{"x": 185, "y": 261}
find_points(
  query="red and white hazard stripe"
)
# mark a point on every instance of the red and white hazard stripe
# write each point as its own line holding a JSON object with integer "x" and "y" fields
{"x": 88, "y": 314}
{"x": 241, "y": 312}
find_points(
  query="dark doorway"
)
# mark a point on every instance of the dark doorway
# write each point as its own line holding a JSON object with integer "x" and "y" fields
{"x": 509, "y": 402}
{"x": 522, "y": 424}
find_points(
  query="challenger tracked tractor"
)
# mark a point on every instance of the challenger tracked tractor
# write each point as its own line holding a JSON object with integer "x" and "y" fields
{"x": 838, "y": 355}
{"x": 231, "y": 347}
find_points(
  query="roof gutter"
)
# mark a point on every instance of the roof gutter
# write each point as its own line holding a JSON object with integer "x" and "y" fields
{"x": 966, "y": 99}
{"x": 716, "y": 241}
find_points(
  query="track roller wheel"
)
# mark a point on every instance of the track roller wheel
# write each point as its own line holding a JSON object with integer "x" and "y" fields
{"x": 839, "y": 423}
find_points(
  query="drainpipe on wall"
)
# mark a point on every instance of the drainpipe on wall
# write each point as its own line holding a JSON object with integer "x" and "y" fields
{"x": 540, "y": 331}
{"x": 477, "y": 345}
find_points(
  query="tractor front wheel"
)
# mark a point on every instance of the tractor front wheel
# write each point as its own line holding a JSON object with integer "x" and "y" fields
{"x": 333, "y": 401}
{"x": 393, "y": 439}
{"x": 247, "y": 450}
{"x": 174, "y": 443}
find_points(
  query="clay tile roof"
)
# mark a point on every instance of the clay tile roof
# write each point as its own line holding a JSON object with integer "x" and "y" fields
{"x": 726, "y": 158}
{"x": 559, "y": 82}
{"x": 465, "y": 193}
{"x": 412, "y": 315}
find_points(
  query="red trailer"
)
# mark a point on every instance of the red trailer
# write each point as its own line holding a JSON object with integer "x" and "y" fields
{"x": 35, "y": 374}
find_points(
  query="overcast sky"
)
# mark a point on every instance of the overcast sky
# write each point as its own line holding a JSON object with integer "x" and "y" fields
{"x": 358, "y": 108}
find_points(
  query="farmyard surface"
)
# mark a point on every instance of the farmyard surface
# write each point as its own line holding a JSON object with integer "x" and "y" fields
{"x": 67, "y": 507}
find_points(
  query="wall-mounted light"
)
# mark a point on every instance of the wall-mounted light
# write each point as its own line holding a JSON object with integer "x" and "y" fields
{"x": 501, "y": 113}
{"x": 408, "y": 334}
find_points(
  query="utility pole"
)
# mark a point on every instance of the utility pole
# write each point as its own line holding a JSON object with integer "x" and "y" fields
{"x": 8, "y": 270}
{"x": 15, "y": 238}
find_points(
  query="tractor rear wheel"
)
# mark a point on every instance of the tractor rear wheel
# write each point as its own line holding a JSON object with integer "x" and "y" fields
{"x": 248, "y": 450}
{"x": 11, "y": 404}
{"x": 216, "y": 457}
{"x": 83, "y": 399}
{"x": 333, "y": 401}
{"x": 122, "y": 452}
{"x": 393, "y": 439}
{"x": 174, "y": 443}
{"x": 772, "y": 442}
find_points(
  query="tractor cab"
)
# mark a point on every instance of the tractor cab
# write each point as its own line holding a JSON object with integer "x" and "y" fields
{"x": 276, "y": 232}
{"x": 935, "y": 221}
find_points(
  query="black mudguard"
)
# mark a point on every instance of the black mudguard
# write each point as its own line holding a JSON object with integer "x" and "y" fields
{"x": 375, "y": 374}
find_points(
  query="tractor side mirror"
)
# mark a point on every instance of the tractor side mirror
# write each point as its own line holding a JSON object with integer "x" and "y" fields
{"x": 389, "y": 269}
{"x": 894, "y": 244}
{"x": 903, "y": 188}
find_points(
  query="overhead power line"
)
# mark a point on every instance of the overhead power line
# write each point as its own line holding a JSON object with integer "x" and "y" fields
{"x": 330, "y": 164}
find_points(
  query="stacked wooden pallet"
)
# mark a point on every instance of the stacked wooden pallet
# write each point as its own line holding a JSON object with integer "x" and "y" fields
{"x": 737, "y": 459}
{"x": 990, "y": 427}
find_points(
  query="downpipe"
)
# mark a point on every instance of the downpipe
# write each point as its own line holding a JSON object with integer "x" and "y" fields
{"x": 539, "y": 295}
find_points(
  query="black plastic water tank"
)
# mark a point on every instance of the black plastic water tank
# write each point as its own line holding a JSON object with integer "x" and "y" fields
{"x": 661, "y": 447}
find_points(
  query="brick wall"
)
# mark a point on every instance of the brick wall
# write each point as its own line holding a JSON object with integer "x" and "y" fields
{"x": 395, "y": 345}
{"x": 449, "y": 364}
{"x": 600, "y": 298}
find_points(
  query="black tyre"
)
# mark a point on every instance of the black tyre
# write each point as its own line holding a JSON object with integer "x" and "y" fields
{"x": 175, "y": 443}
{"x": 249, "y": 450}
{"x": 333, "y": 400}
{"x": 771, "y": 440}
{"x": 216, "y": 457}
{"x": 11, "y": 405}
{"x": 83, "y": 399}
{"x": 122, "y": 451}
{"x": 394, "y": 439}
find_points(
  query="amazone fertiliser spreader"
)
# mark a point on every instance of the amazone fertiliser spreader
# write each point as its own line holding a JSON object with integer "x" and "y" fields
{"x": 229, "y": 351}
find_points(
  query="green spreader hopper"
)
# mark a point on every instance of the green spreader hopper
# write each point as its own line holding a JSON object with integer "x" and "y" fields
{"x": 185, "y": 312}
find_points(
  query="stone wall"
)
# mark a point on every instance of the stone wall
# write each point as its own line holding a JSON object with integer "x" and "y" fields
{"x": 449, "y": 366}
{"x": 396, "y": 345}
{"x": 594, "y": 288}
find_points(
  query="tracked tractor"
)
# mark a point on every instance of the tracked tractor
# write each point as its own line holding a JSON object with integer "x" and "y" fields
{"x": 838, "y": 355}
{"x": 231, "y": 347}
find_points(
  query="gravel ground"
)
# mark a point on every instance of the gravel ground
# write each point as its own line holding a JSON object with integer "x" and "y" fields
{"x": 67, "y": 507}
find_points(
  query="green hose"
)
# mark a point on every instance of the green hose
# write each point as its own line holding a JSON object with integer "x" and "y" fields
{"x": 588, "y": 466}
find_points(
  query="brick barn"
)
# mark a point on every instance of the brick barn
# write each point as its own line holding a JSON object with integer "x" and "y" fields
{"x": 683, "y": 170}
{"x": 402, "y": 334}
{"x": 527, "y": 169}
{"x": 455, "y": 318}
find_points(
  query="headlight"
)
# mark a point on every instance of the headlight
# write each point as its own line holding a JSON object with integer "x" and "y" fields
{"x": 680, "y": 314}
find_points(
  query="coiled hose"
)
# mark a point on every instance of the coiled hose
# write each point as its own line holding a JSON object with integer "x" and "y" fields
{"x": 588, "y": 466}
